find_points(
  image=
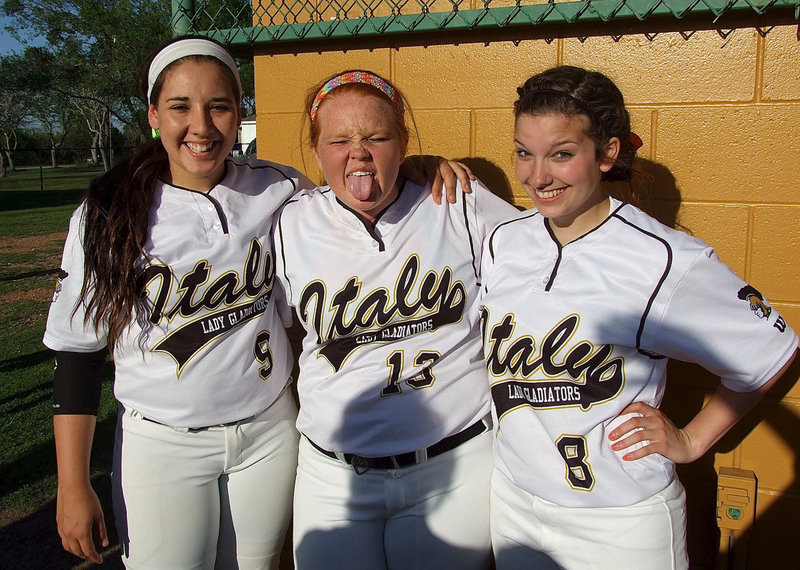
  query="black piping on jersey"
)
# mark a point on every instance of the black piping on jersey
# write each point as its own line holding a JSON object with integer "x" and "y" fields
{"x": 469, "y": 233}
{"x": 500, "y": 225}
{"x": 370, "y": 227}
{"x": 560, "y": 247}
{"x": 269, "y": 166}
{"x": 223, "y": 219}
{"x": 279, "y": 229}
{"x": 217, "y": 206}
{"x": 656, "y": 289}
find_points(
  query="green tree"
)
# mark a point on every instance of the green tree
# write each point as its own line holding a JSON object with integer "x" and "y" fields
{"x": 94, "y": 52}
{"x": 14, "y": 108}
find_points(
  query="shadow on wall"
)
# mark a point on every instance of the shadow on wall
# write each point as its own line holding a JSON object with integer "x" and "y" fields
{"x": 492, "y": 176}
{"x": 769, "y": 542}
{"x": 652, "y": 187}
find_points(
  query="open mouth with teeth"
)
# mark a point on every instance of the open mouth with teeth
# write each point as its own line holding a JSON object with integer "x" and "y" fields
{"x": 198, "y": 148}
{"x": 547, "y": 195}
{"x": 360, "y": 184}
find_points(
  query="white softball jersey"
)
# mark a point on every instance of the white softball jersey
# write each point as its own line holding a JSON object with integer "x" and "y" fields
{"x": 392, "y": 359}
{"x": 574, "y": 334}
{"x": 210, "y": 347}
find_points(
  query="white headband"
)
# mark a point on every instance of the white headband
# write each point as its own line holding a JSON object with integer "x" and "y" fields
{"x": 184, "y": 48}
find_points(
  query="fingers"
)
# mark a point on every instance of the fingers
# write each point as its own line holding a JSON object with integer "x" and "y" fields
{"x": 643, "y": 451}
{"x": 448, "y": 179}
{"x": 81, "y": 523}
{"x": 100, "y": 533}
{"x": 650, "y": 431}
{"x": 89, "y": 551}
{"x": 464, "y": 174}
{"x": 635, "y": 434}
{"x": 637, "y": 445}
{"x": 453, "y": 172}
{"x": 82, "y": 547}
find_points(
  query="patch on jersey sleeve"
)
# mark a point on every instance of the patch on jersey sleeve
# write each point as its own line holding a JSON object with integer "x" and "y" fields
{"x": 756, "y": 300}
{"x": 59, "y": 280}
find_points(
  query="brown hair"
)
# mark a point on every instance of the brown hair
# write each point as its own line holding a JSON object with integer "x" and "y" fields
{"x": 574, "y": 91}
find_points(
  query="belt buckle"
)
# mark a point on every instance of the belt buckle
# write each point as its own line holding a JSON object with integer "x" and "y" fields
{"x": 359, "y": 464}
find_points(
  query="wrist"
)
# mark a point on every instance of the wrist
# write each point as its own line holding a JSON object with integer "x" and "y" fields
{"x": 696, "y": 447}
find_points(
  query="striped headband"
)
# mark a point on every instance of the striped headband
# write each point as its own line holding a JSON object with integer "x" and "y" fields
{"x": 184, "y": 48}
{"x": 364, "y": 77}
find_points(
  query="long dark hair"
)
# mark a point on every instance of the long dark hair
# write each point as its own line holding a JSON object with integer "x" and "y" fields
{"x": 117, "y": 207}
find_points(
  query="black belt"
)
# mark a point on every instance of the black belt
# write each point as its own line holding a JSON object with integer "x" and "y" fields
{"x": 362, "y": 464}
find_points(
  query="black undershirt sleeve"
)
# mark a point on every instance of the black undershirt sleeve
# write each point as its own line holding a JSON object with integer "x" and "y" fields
{"x": 77, "y": 382}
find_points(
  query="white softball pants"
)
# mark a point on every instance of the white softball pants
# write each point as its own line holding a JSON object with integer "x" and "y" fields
{"x": 213, "y": 498}
{"x": 529, "y": 532}
{"x": 432, "y": 515}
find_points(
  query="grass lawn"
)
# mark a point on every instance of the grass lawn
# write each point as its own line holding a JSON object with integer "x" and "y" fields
{"x": 31, "y": 240}
{"x": 63, "y": 178}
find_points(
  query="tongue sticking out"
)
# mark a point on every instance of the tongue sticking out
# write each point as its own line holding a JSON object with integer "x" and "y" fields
{"x": 361, "y": 185}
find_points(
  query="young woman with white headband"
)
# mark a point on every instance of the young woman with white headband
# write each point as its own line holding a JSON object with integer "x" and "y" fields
{"x": 168, "y": 264}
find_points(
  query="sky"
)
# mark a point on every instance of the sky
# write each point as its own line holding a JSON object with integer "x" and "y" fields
{"x": 8, "y": 44}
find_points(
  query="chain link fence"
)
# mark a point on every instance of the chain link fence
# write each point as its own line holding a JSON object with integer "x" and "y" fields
{"x": 60, "y": 169}
{"x": 263, "y": 21}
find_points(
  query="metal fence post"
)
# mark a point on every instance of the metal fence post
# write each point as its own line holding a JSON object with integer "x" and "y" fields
{"x": 41, "y": 171}
{"x": 182, "y": 13}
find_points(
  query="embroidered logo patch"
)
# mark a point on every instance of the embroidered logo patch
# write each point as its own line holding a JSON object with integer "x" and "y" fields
{"x": 756, "y": 301}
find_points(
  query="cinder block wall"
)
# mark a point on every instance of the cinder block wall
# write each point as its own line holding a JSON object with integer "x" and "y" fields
{"x": 720, "y": 121}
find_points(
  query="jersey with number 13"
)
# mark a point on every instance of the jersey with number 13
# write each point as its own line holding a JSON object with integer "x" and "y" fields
{"x": 392, "y": 358}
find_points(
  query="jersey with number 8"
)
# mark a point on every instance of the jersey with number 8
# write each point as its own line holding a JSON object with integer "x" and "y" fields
{"x": 593, "y": 335}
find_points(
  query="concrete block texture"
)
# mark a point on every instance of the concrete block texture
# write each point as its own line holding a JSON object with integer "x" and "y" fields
{"x": 671, "y": 69}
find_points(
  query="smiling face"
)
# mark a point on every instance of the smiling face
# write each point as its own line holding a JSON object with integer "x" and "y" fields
{"x": 558, "y": 166}
{"x": 359, "y": 149}
{"x": 198, "y": 116}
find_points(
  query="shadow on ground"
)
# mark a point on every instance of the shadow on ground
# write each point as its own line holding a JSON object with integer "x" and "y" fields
{"x": 25, "y": 200}
{"x": 33, "y": 543}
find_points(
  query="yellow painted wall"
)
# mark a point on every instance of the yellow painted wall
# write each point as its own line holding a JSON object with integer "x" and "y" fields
{"x": 720, "y": 120}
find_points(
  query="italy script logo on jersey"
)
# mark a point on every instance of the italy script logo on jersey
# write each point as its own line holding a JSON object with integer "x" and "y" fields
{"x": 218, "y": 300}
{"x": 422, "y": 303}
{"x": 592, "y": 375}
